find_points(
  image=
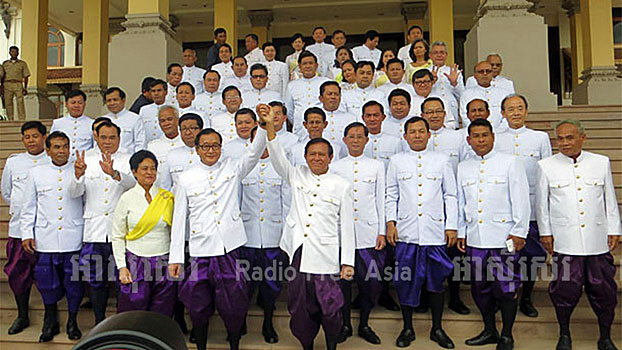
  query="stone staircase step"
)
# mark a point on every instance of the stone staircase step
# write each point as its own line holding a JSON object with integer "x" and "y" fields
{"x": 528, "y": 335}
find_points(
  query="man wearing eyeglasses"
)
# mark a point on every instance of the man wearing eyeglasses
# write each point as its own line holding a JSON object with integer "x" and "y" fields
{"x": 184, "y": 157}
{"x": 493, "y": 95}
{"x": 207, "y": 207}
{"x": 423, "y": 80}
{"x": 498, "y": 80}
{"x": 259, "y": 93}
{"x": 224, "y": 123}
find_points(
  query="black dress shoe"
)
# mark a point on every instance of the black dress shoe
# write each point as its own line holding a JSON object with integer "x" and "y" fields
{"x": 346, "y": 332}
{"x": 48, "y": 332}
{"x": 405, "y": 338}
{"x": 564, "y": 343}
{"x": 527, "y": 308}
{"x": 485, "y": 337}
{"x": 606, "y": 344}
{"x": 459, "y": 307}
{"x": 369, "y": 335}
{"x": 86, "y": 305}
{"x": 442, "y": 339}
{"x": 388, "y": 303}
{"x": 505, "y": 343}
{"x": 73, "y": 332}
{"x": 269, "y": 334}
{"x": 18, "y": 325}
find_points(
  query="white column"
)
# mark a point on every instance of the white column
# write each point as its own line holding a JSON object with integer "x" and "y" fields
{"x": 496, "y": 31}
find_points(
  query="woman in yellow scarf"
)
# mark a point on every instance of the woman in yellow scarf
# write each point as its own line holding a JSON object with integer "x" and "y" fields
{"x": 141, "y": 232}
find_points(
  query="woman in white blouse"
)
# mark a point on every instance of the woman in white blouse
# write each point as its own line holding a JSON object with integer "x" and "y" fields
{"x": 298, "y": 44}
{"x": 141, "y": 232}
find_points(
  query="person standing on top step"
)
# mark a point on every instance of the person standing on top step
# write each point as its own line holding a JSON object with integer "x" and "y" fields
{"x": 52, "y": 224}
{"x": 579, "y": 224}
{"x": 20, "y": 264}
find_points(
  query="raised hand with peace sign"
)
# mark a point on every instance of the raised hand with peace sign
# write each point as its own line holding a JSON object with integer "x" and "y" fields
{"x": 80, "y": 165}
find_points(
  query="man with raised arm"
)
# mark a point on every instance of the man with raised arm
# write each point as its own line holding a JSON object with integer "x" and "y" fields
{"x": 318, "y": 238}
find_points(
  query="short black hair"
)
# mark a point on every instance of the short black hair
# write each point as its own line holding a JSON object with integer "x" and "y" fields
{"x": 371, "y": 35}
{"x": 227, "y": 46}
{"x": 413, "y": 120}
{"x": 138, "y": 158}
{"x": 395, "y": 60}
{"x": 113, "y": 89}
{"x": 257, "y": 66}
{"x": 207, "y": 131}
{"x": 305, "y": 54}
{"x": 56, "y": 135}
{"x": 278, "y": 104}
{"x": 211, "y": 71}
{"x": 245, "y": 111}
{"x": 422, "y": 73}
{"x": 170, "y": 67}
{"x": 99, "y": 120}
{"x": 268, "y": 44}
{"x": 252, "y": 36}
{"x": 75, "y": 93}
{"x": 239, "y": 57}
{"x": 411, "y": 50}
{"x": 191, "y": 116}
{"x": 13, "y": 48}
{"x": 355, "y": 125}
{"x": 399, "y": 92}
{"x": 297, "y": 36}
{"x": 319, "y": 140}
{"x": 185, "y": 83}
{"x": 431, "y": 99}
{"x": 371, "y": 104}
{"x": 410, "y": 29}
{"x": 480, "y": 122}
{"x": 315, "y": 110}
{"x": 34, "y": 124}
{"x": 327, "y": 84}
{"x": 146, "y": 84}
{"x": 157, "y": 82}
{"x": 108, "y": 124}
{"x": 513, "y": 95}
{"x": 230, "y": 88}
{"x": 361, "y": 64}
{"x": 339, "y": 31}
{"x": 219, "y": 30}
{"x": 477, "y": 99}
{"x": 319, "y": 27}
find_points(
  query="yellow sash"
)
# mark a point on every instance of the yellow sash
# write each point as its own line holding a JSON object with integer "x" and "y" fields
{"x": 160, "y": 207}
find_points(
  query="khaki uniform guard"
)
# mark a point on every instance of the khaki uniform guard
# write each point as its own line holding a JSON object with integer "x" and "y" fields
{"x": 15, "y": 72}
